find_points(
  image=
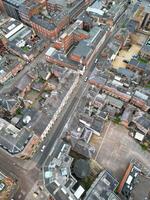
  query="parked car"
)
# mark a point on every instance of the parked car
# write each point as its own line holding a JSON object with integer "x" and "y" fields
{"x": 43, "y": 147}
{"x": 86, "y": 78}
{"x": 96, "y": 60}
{"x": 126, "y": 61}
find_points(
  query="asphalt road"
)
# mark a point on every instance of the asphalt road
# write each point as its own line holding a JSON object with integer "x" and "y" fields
{"x": 57, "y": 133}
{"x": 68, "y": 112}
{"x": 26, "y": 178}
{"x": 41, "y": 157}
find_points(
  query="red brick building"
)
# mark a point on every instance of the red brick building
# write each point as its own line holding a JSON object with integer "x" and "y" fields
{"x": 1, "y": 5}
{"x": 71, "y": 36}
{"x": 57, "y": 16}
{"x": 28, "y": 9}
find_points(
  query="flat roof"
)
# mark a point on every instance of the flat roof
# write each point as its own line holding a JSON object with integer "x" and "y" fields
{"x": 102, "y": 188}
{"x": 78, "y": 193}
{"x": 82, "y": 49}
{"x": 10, "y": 25}
{"x": 43, "y": 21}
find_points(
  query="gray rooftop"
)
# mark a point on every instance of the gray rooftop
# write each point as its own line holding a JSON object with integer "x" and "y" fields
{"x": 15, "y": 2}
{"x": 96, "y": 77}
{"x": 57, "y": 172}
{"x": 25, "y": 81}
{"x": 44, "y": 22}
{"x": 102, "y": 188}
{"x": 144, "y": 122}
{"x": 82, "y": 49}
{"x": 9, "y": 25}
{"x": 85, "y": 47}
{"x": 115, "y": 102}
{"x": 12, "y": 139}
{"x": 132, "y": 26}
{"x": 125, "y": 72}
{"x": 138, "y": 64}
{"x": 7, "y": 103}
{"x": 128, "y": 113}
{"x": 146, "y": 46}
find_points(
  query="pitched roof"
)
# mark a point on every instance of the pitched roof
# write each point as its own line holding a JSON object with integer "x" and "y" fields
{"x": 8, "y": 103}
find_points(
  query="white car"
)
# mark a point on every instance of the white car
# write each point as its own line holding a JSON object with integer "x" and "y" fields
{"x": 86, "y": 78}
{"x": 43, "y": 147}
{"x": 96, "y": 60}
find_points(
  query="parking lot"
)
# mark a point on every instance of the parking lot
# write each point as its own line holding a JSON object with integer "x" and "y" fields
{"x": 125, "y": 55}
{"x": 117, "y": 149}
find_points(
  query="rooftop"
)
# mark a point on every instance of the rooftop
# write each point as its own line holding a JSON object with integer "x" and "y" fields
{"x": 144, "y": 122}
{"x": 21, "y": 39}
{"x": 103, "y": 187}
{"x": 146, "y": 46}
{"x": 43, "y": 21}
{"x": 98, "y": 8}
{"x": 15, "y": 2}
{"x": 57, "y": 173}
{"x": 82, "y": 49}
{"x": 85, "y": 47}
{"x": 61, "y": 57}
{"x": 10, "y": 27}
{"x": 11, "y": 138}
{"x": 45, "y": 96}
{"x": 7, "y": 103}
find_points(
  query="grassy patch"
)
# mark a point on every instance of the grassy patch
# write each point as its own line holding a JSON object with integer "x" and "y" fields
{"x": 144, "y": 147}
{"x": 41, "y": 80}
{"x": 25, "y": 48}
{"x": 117, "y": 119}
{"x": 123, "y": 25}
{"x": 18, "y": 111}
{"x": 148, "y": 85}
{"x": 87, "y": 182}
{"x": 142, "y": 60}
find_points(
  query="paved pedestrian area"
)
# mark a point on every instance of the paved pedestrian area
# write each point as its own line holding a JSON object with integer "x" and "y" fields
{"x": 38, "y": 192}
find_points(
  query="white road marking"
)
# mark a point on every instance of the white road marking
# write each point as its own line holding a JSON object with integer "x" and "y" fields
{"x": 103, "y": 140}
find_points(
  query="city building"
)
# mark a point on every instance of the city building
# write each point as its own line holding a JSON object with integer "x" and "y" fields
{"x": 73, "y": 34}
{"x": 1, "y": 5}
{"x": 79, "y": 55}
{"x": 52, "y": 92}
{"x": 127, "y": 115}
{"x": 142, "y": 123}
{"x": 145, "y": 50}
{"x": 7, "y": 185}
{"x": 103, "y": 188}
{"x": 84, "y": 51}
{"x": 57, "y": 175}
{"x": 57, "y": 16}
{"x": 29, "y": 8}
{"x": 20, "y": 143}
{"x": 107, "y": 13}
{"x": 12, "y": 7}
{"x": 21, "y": 40}
{"x": 141, "y": 17}
{"x": 127, "y": 183}
{"x": 9, "y": 105}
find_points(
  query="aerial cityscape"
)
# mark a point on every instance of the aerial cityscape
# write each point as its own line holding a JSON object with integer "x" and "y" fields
{"x": 74, "y": 99}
